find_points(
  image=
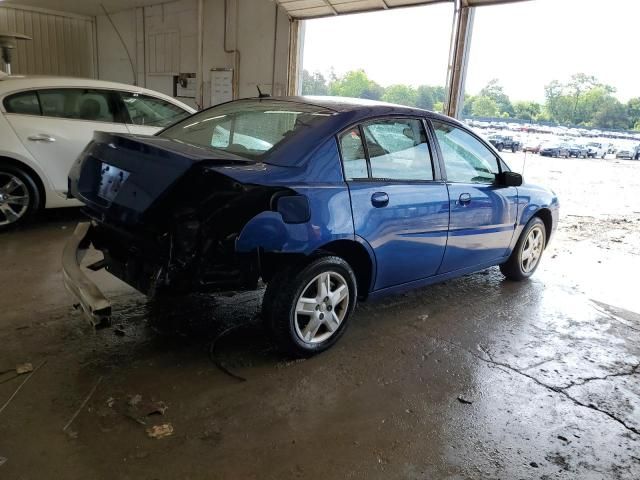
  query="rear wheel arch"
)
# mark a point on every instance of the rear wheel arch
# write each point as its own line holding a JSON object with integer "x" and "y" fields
{"x": 358, "y": 257}
{"x": 32, "y": 174}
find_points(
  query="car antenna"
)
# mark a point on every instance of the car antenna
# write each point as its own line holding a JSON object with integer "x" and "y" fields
{"x": 260, "y": 94}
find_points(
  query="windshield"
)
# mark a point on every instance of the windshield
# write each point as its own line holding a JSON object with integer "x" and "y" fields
{"x": 248, "y": 128}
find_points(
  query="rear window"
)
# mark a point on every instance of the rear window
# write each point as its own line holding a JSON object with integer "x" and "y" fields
{"x": 249, "y": 128}
{"x": 24, "y": 103}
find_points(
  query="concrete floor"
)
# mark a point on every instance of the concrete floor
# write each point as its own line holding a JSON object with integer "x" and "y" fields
{"x": 474, "y": 378}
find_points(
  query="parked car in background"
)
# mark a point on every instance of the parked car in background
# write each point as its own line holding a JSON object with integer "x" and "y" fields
{"x": 505, "y": 142}
{"x": 637, "y": 153}
{"x": 578, "y": 151}
{"x": 554, "y": 150}
{"x": 326, "y": 200}
{"x": 532, "y": 146}
{"x": 597, "y": 149}
{"x": 626, "y": 152}
{"x": 46, "y": 122}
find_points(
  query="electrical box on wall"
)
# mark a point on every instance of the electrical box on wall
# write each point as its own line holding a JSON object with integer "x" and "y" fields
{"x": 184, "y": 85}
{"x": 221, "y": 85}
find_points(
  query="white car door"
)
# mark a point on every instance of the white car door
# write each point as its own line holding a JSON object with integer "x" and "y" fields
{"x": 68, "y": 117}
{"x": 149, "y": 114}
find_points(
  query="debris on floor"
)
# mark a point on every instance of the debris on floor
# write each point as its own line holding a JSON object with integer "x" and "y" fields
{"x": 3, "y": 460}
{"x": 160, "y": 431}
{"x": 23, "y": 368}
{"x": 464, "y": 400}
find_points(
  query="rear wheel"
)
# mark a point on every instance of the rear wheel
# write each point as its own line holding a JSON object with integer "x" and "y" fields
{"x": 307, "y": 307}
{"x": 525, "y": 258}
{"x": 19, "y": 196}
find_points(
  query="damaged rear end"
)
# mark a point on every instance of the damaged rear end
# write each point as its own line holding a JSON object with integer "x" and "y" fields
{"x": 165, "y": 216}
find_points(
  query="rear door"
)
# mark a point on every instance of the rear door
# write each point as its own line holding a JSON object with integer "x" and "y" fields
{"x": 146, "y": 115}
{"x": 59, "y": 124}
{"x": 483, "y": 214}
{"x": 400, "y": 206}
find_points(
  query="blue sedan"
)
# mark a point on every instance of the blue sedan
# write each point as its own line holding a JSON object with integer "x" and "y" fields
{"x": 325, "y": 200}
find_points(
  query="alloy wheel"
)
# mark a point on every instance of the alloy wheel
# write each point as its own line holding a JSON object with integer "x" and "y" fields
{"x": 14, "y": 198}
{"x": 321, "y": 307}
{"x": 532, "y": 249}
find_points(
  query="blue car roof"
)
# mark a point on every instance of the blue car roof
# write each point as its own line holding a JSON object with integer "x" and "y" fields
{"x": 362, "y": 105}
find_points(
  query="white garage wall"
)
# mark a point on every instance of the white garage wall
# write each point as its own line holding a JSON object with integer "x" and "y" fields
{"x": 164, "y": 37}
{"x": 62, "y": 44}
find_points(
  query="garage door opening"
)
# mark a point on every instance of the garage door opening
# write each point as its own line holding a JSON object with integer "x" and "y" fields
{"x": 399, "y": 56}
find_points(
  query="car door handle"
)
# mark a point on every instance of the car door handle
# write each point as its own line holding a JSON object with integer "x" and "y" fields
{"x": 379, "y": 199}
{"x": 41, "y": 138}
{"x": 464, "y": 199}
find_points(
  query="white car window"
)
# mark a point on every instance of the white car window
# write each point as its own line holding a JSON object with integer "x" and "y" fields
{"x": 77, "y": 104}
{"x": 23, "y": 103}
{"x": 151, "y": 111}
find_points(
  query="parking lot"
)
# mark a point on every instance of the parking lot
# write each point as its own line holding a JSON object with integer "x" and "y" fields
{"x": 477, "y": 377}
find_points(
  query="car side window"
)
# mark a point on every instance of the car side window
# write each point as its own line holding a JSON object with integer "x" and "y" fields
{"x": 151, "y": 111}
{"x": 466, "y": 159}
{"x": 24, "y": 103}
{"x": 77, "y": 104}
{"x": 398, "y": 149}
{"x": 353, "y": 156}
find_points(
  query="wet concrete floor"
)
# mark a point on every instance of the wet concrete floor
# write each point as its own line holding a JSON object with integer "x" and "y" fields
{"x": 473, "y": 378}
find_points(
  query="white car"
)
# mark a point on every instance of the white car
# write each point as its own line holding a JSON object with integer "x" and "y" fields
{"x": 46, "y": 122}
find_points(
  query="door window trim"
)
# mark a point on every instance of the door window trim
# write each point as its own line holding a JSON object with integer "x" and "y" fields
{"x": 435, "y": 166}
{"x": 499, "y": 160}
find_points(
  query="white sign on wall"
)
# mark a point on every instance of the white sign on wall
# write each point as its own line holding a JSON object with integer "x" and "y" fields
{"x": 221, "y": 86}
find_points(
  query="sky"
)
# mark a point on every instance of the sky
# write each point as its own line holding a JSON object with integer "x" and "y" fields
{"x": 524, "y": 45}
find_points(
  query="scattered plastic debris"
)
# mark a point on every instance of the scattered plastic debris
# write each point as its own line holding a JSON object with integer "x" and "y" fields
{"x": 160, "y": 431}
{"x": 134, "y": 400}
{"x": 23, "y": 368}
{"x": 154, "y": 408}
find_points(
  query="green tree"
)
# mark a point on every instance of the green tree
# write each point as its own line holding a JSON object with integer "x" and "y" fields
{"x": 611, "y": 114}
{"x": 314, "y": 83}
{"x": 484, "y": 106}
{"x": 424, "y": 98}
{"x": 357, "y": 84}
{"x": 527, "y": 110}
{"x": 633, "y": 111}
{"x": 401, "y": 94}
{"x": 494, "y": 91}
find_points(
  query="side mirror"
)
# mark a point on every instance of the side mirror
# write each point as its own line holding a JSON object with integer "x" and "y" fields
{"x": 509, "y": 179}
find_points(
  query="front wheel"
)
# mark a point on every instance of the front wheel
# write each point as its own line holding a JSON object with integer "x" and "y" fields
{"x": 307, "y": 307}
{"x": 525, "y": 258}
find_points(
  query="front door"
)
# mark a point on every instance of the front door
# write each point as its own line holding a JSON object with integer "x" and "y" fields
{"x": 399, "y": 205}
{"x": 483, "y": 214}
{"x": 61, "y": 125}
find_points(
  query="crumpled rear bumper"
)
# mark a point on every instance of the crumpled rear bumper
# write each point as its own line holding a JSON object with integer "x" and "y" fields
{"x": 92, "y": 301}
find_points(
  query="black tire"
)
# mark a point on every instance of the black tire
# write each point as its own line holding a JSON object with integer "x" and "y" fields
{"x": 513, "y": 267}
{"x": 499, "y": 147}
{"x": 281, "y": 299}
{"x": 514, "y": 149}
{"x": 27, "y": 188}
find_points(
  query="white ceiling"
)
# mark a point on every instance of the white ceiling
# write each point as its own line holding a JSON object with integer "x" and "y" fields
{"x": 84, "y": 7}
{"x": 295, "y": 8}
{"x": 324, "y": 8}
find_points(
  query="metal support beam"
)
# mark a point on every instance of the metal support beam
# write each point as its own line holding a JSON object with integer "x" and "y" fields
{"x": 296, "y": 47}
{"x": 458, "y": 57}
